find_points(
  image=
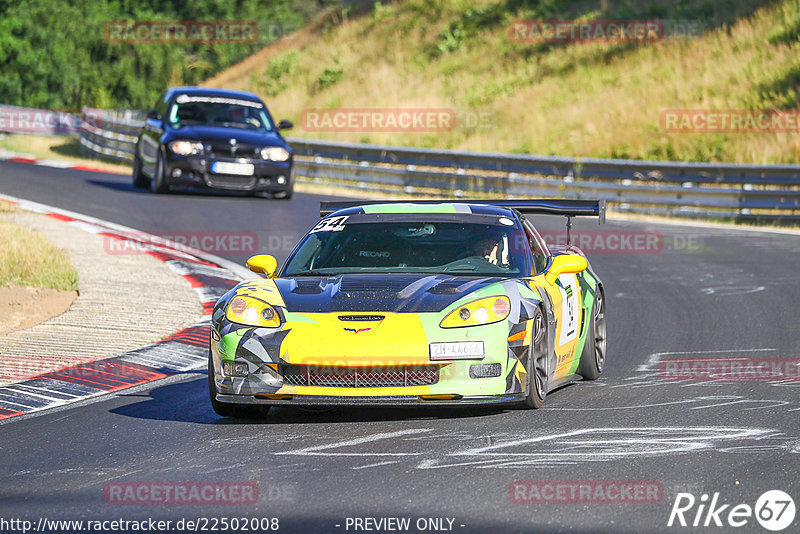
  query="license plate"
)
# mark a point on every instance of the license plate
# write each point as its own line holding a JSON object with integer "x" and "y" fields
{"x": 459, "y": 350}
{"x": 225, "y": 167}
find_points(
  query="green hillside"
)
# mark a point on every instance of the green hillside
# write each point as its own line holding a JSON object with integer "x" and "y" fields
{"x": 56, "y": 53}
{"x": 591, "y": 99}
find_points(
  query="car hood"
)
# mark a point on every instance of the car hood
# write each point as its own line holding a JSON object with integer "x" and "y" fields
{"x": 216, "y": 134}
{"x": 377, "y": 292}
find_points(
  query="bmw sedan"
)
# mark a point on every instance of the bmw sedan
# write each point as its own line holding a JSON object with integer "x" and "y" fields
{"x": 213, "y": 139}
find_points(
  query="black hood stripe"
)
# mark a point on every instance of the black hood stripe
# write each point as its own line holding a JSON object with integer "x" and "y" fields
{"x": 377, "y": 292}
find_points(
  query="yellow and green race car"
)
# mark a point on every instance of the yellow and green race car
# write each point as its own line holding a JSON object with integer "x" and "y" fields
{"x": 424, "y": 302}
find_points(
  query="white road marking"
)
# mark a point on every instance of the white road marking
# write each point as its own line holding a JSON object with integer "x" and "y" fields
{"x": 318, "y": 449}
{"x": 629, "y": 407}
{"x": 729, "y": 399}
{"x": 600, "y": 444}
{"x": 741, "y": 400}
{"x": 377, "y": 464}
{"x": 724, "y": 291}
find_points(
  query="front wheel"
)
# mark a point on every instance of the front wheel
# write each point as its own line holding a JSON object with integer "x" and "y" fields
{"x": 537, "y": 363}
{"x": 231, "y": 410}
{"x": 593, "y": 357}
{"x": 159, "y": 182}
{"x": 140, "y": 180}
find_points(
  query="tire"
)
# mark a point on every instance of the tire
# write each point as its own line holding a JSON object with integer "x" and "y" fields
{"x": 140, "y": 179}
{"x": 537, "y": 363}
{"x": 593, "y": 356}
{"x": 231, "y": 410}
{"x": 159, "y": 182}
{"x": 284, "y": 195}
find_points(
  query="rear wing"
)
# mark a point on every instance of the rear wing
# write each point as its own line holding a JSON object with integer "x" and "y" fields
{"x": 540, "y": 206}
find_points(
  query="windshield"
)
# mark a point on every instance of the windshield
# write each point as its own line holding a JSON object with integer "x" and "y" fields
{"x": 458, "y": 245}
{"x": 219, "y": 111}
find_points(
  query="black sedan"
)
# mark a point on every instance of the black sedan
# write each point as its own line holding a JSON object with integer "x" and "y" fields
{"x": 213, "y": 138}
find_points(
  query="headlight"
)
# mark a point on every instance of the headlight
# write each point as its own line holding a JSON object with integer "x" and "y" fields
{"x": 482, "y": 311}
{"x": 274, "y": 153}
{"x": 253, "y": 312}
{"x": 185, "y": 148}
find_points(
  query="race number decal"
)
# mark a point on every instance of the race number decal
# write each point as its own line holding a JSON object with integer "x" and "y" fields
{"x": 331, "y": 224}
{"x": 570, "y": 302}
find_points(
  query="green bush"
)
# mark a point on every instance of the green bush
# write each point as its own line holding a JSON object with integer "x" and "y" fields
{"x": 329, "y": 76}
{"x": 276, "y": 76}
{"x": 55, "y": 54}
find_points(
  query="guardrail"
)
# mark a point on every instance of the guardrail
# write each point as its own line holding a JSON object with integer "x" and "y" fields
{"x": 39, "y": 121}
{"x": 110, "y": 133}
{"x": 709, "y": 190}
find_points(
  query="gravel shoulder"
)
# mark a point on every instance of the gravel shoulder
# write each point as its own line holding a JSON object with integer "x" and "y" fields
{"x": 124, "y": 301}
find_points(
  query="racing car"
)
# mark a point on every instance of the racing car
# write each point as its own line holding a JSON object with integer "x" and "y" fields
{"x": 412, "y": 302}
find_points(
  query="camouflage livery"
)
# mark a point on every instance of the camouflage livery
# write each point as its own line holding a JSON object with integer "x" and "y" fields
{"x": 400, "y": 338}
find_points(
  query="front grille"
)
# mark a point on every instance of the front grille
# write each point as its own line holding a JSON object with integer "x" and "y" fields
{"x": 360, "y": 377}
{"x": 231, "y": 182}
{"x": 242, "y": 151}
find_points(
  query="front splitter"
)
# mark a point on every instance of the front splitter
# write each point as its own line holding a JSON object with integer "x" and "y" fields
{"x": 399, "y": 400}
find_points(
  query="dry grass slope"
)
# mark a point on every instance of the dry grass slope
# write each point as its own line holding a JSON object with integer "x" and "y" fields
{"x": 589, "y": 99}
{"x": 30, "y": 260}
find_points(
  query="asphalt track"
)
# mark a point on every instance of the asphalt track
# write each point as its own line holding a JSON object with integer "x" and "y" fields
{"x": 706, "y": 292}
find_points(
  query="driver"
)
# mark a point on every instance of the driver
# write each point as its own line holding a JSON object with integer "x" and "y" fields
{"x": 487, "y": 248}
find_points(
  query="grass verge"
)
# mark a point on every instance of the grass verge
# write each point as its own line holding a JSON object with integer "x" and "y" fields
{"x": 57, "y": 147}
{"x": 30, "y": 260}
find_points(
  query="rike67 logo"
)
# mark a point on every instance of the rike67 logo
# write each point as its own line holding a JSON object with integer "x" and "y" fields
{"x": 774, "y": 510}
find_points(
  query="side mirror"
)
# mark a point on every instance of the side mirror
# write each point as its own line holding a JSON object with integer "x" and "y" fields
{"x": 153, "y": 114}
{"x": 565, "y": 264}
{"x": 285, "y": 125}
{"x": 263, "y": 264}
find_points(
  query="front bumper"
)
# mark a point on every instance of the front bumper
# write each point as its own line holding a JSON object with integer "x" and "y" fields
{"x": 317, "y": 359}
{"x": 268, "y": 176}
{"x": 453, "y": 380}
{"x": 394, "y": 400}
